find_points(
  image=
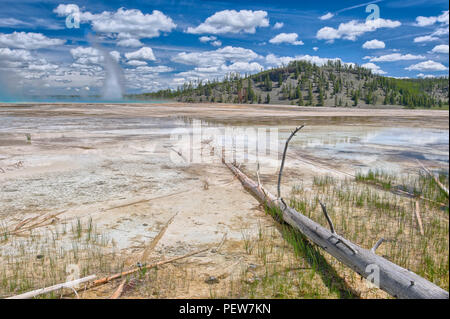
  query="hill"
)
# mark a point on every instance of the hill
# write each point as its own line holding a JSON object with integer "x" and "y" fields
{"x": 303, "y": 83}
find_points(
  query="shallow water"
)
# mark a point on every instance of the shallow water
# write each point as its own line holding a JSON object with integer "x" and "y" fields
{"x": 82, "y": 160}
{"x": 364, "y": 147}
{"x": 78, "y": 100}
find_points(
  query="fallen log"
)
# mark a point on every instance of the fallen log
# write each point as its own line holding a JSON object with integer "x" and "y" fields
{"x": 395, "y": 280}
{"x": 70, "y": 284}
{"x": 441, "y": 186}
{"x": 105, "y": 280}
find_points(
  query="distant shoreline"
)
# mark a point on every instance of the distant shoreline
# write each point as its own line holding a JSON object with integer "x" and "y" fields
{"x": 238, "y": 114}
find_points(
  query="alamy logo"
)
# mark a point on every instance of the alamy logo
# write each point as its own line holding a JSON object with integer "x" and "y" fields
{"x": 374, "y": 12}
{"x": 373, "y": 279}
{"x": 73, "y": 20}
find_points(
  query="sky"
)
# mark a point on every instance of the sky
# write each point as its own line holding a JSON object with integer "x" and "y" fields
{"x": 74, "y": 47}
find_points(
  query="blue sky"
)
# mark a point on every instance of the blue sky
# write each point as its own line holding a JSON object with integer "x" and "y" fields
{"x": 160, "y": 44}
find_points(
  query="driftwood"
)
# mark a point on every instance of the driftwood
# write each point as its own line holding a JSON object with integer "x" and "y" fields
{"x": 119, "y": 290}
{"x": 395, "y": 280}
{"x": 419, "y": 219}
{"x": 69, "y": 284}
{"x": 26, "y": 226}
{"x": 438, "y": 182}
{"x": 72, "y": 284}
{"x": 105, "y": 280}
{"x": 156, "y": 240}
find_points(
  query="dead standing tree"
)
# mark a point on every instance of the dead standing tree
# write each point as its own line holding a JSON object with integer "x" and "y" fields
{"x": 395, "y": 280}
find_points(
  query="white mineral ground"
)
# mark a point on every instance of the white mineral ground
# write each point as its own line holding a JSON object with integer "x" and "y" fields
{"x": 117, "y": 163}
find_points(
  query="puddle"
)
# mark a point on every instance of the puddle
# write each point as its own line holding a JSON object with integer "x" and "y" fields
{"x": 391, "y": 149}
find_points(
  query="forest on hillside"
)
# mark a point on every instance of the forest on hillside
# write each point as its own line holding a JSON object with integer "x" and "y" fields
{"x": 305, "y": 84}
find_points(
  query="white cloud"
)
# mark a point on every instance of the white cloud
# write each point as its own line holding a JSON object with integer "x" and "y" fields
{"x": 374, "y": 44}
{"x": 243, "y": 67}
{"x": 66, "y": 9}
{"x": 395, "y": 57}
{"x": 6, "y": 54}
{"x": 129, "y": 23}
{"x": 45, "y": 67}
{"x": 232, "y": 21}
{"x": 427, "y": 66}
{"x": 425, "y": 76}
{"x": 207, "y": 39}
{"x": 136, "y": 63}
{"x": 442, "y": 48}
{"x": 124, "y": 24}
{"x": 426, "y": 38}
{"x": 351, "y": 30}
{"x": 29, "y": 41}
{"x": 130, "y": 43}
{"x": 219, "y": 71}
{"x": 144, "y": 53}
{"x": 286, "y": 38}
{"x": 212, "y": 39}
{"x": 13, "y": 22}
{"x": 440, "y": 31}
{"x": 87, "y": 56}
{"x": 154, "y": 69}
{"x": 278, "y": 25}
{"x": 373, "y": 67}
{"x": 273, "y": 60}
{"x": 217, "y": 63}
{"x": 327, "y": 16}
{"x": 427, "y": 21}
{"x": 315, "y": 48}
{"x": 217, "y": 57}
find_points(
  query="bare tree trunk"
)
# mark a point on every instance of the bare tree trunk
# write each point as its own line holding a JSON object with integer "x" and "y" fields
{"x": 69, "y": 284}
{"x": 393, "y": 279}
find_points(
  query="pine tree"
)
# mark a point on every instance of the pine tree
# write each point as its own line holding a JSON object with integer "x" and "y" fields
{"x": 300, "y": 99}
{"x": 298, "y": 92}
{"x": 310, "y": 95}
{"x": 355, "y": 99}
{"x": 321, "y": 101}
{"x": 268, "y": 83}
{"x": 250, "y": 93}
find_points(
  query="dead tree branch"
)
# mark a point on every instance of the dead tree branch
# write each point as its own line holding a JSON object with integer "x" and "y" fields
{"x": 377, "y": 244}
{"x": 324, "y": 209}
{"x": 69, "y": 284}
{"x": 284, "y": 158}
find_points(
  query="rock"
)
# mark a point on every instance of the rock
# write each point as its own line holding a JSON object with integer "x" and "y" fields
{"x": 212, "y": 280}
